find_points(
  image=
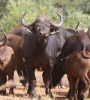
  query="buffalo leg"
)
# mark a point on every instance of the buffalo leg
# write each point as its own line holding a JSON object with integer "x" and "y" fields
{"x": 68, "y": 95}
{"x": 86, "y": 82}
{"x": 32, "y": 83}
{"x": 80, "y": 86}
{"x": 75, "y": 82}
{"x": 25, "y": 75}
{"x": 11, "y": 78}
{"x": 43, "y": 75}
{"x": 47, "y": 81}
{"x": 89, "y": 93}
{"x": 71, "y": 83}
{"x": 3, "y": 82}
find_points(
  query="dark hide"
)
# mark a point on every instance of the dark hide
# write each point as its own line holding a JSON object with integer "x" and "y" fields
{"x": 20, "y": 30}
{"x": 40, "y": 57}
{"x": 30, "y": 49}
{"x": 73, "y": 43}
{"x": 16, "y": 43}
{"x": 63, "y": 34}
{"x": 7, "y": 66}
{"x": 77, "y": 66}
{"x": 39, "y": 50}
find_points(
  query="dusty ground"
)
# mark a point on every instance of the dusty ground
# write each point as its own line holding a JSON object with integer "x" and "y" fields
{"x": 20, "y": 93}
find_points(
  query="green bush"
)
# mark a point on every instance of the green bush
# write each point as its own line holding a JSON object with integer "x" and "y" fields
{"x": 71, "y": 12}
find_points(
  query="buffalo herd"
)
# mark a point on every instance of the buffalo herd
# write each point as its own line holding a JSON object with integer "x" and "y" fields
{"x": 31, "y": 46}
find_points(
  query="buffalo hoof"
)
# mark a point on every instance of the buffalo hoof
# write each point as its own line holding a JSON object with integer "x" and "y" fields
{"x": 63, "y": 87}
{"x": 39, "y": 97}
{"x": 26, "y": 85}
{"x": 11, "y": 91}
{"x": 89, "y": 95}
{"x": 57, "y": 87}
{"x": 68, "y": 95}
{"x": 81, "y": 97}
{"x": 50, "y": 95}
{"x": 3, "y": 92}
{"x": 31, "y": 97}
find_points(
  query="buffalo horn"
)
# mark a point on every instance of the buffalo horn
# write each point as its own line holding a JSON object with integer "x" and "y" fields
{"x": 24, "y": 23}
{"x": 60, "y": 23}
{"x": 85, "y": 55}
{"x": 2, "y": 42}
{"x": 76, "y": 26}
{"x": 89, "y": 31}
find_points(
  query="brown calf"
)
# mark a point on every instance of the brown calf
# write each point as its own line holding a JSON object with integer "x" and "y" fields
{"x": 7, "y": 66}
{"x": 77, "y": 66}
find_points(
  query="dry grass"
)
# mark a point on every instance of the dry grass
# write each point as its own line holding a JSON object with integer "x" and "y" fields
{"x": 20, "y": 93}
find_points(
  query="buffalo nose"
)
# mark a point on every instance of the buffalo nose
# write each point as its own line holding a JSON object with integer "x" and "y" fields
{"x": 43, "y": 33}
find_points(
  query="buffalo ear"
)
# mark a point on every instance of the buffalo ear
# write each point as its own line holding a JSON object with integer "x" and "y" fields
{"x": 30, "y": 29}
{"x": 54, "y": 29}
{"x": 2, "y": 61}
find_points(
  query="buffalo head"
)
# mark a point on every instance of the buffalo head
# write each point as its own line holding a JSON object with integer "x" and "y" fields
{"x": 41, "y": 27}
{"x": 58, "y": 70}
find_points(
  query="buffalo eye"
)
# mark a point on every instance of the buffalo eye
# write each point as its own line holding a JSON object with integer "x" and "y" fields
{"x": 48, "y": 26}
{"x": 37, "y": 26}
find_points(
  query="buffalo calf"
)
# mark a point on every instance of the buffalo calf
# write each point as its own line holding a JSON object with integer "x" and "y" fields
{"x": 77, "y": 66}
{"x": 7, "y": 66}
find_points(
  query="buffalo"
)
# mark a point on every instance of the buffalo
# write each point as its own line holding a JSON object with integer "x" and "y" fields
{"x": 62, "y": 34}
{"x": 16, "y": 43}
{"x": 73, "y": 43}
{"x": 39, "y": 51}
{"x": 19, "y": 30}
{"x": 77, "y": 66}
{"x": 7, "y": 64}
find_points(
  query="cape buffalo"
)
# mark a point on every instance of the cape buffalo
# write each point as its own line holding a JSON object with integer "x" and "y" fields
{"x": 16, "y": 43}
{"x": 73, "y": 43}
{"x": 62, "y": 34}
{"x": 39, "y": 50}
{"x": 7, "y": 65}
{"x": 20, "y": 30}
{"x": 77, "y": 66}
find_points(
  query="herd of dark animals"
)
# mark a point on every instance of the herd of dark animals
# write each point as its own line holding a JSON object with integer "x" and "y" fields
{"x": 31, "y": 46}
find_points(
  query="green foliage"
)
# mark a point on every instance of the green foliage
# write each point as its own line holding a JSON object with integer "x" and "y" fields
{"x": 3, "y": 7}
{"x": 13, "y": 18}
{"x": 75, "y": 17}
{"x": 71, "y": 10}
{"x": 86, "y": 7}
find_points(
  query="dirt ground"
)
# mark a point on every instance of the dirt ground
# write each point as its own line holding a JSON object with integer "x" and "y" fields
{"x": 20, "y": 93}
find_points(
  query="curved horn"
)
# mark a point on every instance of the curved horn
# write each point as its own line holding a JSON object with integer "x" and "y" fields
{"x": 60, "y": 23}
{"x": 89, "y": 31}
{"x": 76, "y": 26}
{"x": 86, "y": 56}
{"x": 24, "y": 23}
{"x": 3, "y": 41}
